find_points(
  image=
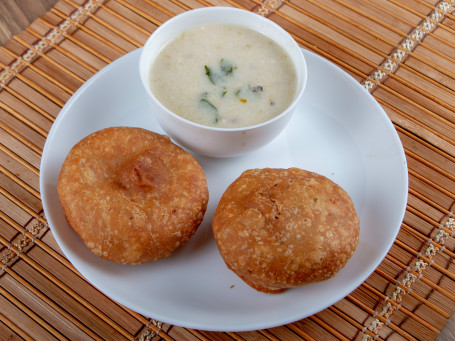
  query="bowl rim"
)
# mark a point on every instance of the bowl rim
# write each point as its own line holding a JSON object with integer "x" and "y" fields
{"x": 290, "y": 107}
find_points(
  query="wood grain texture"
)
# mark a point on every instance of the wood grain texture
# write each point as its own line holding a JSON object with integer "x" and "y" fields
{"x": 16, "y": 15}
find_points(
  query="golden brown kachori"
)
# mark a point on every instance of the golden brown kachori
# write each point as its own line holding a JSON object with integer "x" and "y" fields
{"x": 282, "y": 228}
{"x": 132, "y": 195}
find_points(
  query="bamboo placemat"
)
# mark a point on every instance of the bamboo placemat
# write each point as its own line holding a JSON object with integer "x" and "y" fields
{"x": 402, "y": 51}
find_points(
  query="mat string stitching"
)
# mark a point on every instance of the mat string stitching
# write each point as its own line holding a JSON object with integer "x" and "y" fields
{"x": 9, "y": 72}
{"x": 20, "y": 245}
{"x": 412, "y": 274}
{"x": 408, "y": 44}
{"x": 148, "y": 333}
{"x": 267, "y": 7}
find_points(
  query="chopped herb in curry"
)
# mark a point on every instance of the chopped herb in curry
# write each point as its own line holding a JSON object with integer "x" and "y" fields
{"x": 206, "y": 103}
{"x": 218, "y": 76}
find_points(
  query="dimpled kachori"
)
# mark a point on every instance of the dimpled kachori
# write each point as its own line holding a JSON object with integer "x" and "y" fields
{"x": 282, "y": 228}
{"x": 132, "y": 195}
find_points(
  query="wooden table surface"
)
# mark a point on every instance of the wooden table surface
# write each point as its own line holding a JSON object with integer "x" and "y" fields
{"x": 15, "y": 15}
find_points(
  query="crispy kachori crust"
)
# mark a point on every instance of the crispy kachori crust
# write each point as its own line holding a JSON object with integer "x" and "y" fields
{"x": 132, "y": 195}
{"x": 282, "y": 228}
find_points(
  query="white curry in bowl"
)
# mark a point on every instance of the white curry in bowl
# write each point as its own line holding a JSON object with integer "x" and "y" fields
{"x": 222, "y": 81}
{"x": 239, "y": 80}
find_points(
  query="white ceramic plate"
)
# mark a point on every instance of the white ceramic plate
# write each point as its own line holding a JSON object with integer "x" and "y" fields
{"x": 338, "y": 130}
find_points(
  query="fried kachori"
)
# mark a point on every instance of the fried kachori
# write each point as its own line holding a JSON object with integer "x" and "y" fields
{"x": 282, "y": 228}
{"x": 132, "y": 195}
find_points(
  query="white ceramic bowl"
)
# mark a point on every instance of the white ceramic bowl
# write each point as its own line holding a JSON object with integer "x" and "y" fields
{"x": 212, "y": 141}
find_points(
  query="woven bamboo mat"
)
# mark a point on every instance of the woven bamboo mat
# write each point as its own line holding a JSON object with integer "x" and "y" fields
{"x": 402, "y": 51}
